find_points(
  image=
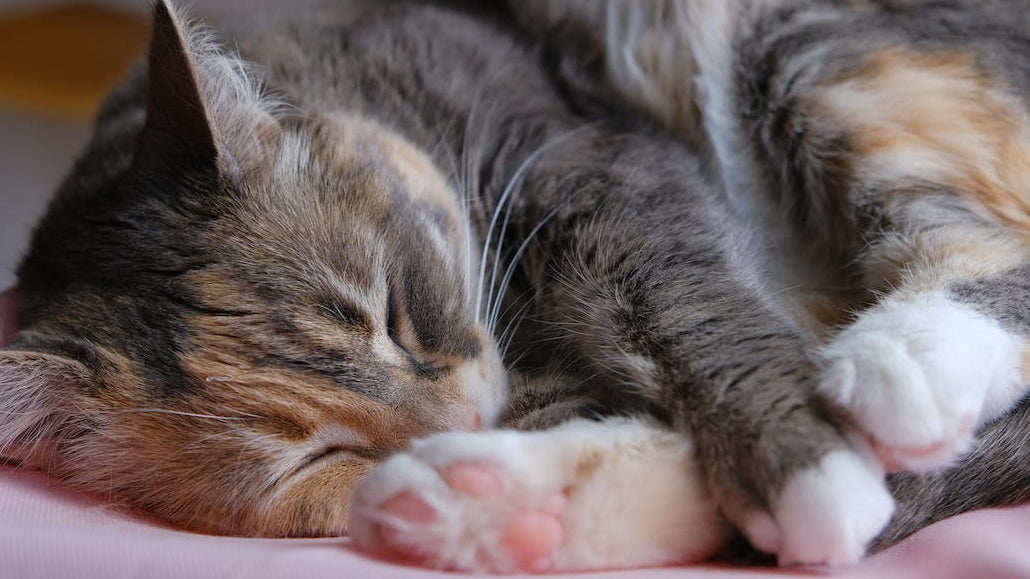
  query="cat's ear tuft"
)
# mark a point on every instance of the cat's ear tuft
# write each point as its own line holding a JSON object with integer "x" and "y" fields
{"x": 178, "y": 123}
{"x": 37, "y": 393}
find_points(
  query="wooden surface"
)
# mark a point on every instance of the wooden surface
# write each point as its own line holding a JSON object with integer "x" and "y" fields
{"x": 62, "y": 60}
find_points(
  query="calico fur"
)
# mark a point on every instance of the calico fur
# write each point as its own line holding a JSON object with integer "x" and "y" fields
{"x": 277, "y": 265}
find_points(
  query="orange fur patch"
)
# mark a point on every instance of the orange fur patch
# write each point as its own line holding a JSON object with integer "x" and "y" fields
{"x": 938, "y": 117}
{"x": 931, "y": 259}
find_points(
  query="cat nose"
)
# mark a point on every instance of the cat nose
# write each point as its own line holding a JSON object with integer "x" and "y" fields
{"x": 472, "y": 421}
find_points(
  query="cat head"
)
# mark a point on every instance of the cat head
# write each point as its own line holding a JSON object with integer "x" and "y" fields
{"x": 233, "y": 310}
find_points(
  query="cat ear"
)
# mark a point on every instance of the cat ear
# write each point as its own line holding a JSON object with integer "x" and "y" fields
{"x": 36, "y": 394}
{"x": 177, "y": 122}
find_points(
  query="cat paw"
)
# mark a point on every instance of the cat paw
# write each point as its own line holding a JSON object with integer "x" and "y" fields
{"x": 525, "y": 538}
{"x": 508, "y": 502}
{"x": 826, "y": 514}
{"x": 461, "y": 510}
{"x": 917, "y": 376}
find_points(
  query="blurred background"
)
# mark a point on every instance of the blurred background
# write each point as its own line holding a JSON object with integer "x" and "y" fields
{"x": 57, "y": 60}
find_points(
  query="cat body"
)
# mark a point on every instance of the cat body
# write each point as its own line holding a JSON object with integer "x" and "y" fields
{"x": 261, "y": 280}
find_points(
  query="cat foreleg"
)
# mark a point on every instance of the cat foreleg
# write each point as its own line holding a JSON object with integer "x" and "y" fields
{"x": 584, "y": 495}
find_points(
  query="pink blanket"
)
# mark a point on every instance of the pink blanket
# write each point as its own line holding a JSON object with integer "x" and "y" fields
{"x": 48, "y": 531}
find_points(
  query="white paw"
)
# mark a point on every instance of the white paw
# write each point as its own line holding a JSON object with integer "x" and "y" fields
{"x": 572, "y": 498}
{"x": 825, "y": 514}
{"x": 917, "y": 376}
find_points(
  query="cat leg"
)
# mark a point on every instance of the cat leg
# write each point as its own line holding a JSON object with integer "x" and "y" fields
{"x": 906, "y": 168}
{"x": 929, "y": 212}
{"x": 584, "y": 495}
{"x": 675, "y": 318}
{"x": 935, "y": 359}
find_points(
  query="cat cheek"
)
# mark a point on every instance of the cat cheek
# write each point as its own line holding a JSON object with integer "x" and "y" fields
{"x": 315, "y": 504}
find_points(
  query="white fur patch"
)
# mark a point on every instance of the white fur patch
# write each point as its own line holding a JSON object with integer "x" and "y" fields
{"x": 826, "y": 514}
{"x": 918, "y": 374}
{"x": 33, "y": 403}
{"x": 635, "y": 497}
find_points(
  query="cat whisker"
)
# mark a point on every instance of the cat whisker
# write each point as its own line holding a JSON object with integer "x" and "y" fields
{"x": 514, "y": 363}
{"x": 510, "y": 271}
{"x": 458, "y": 178}
{"x": 202, "y": 441}
{"x": 467, "y": 187}
{"x": 488, "y": 238}
{"x": 504, "y": 200}
{"x": 508, "y": 335}
{"x": 182, "y": 413}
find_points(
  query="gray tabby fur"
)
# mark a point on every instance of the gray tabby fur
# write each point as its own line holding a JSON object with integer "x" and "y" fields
{"x": 637, "y": 276}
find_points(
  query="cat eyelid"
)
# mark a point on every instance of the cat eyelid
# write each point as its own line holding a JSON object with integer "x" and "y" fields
{"x": 393, "y": 325}
{"x": 348, "y": 314}
{"x": 338, "y": 451}
{"x": 339, "y": 442}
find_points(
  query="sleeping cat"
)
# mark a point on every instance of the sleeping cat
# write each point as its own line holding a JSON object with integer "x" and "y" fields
{"x": 271, "y": 270}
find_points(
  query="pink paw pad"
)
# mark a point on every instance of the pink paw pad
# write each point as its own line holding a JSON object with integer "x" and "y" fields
{"x": 407, "y": 508}
{"x": 475, "y": 480}
{"x": 896, "y": 459}
{"x": 531, "y": 537}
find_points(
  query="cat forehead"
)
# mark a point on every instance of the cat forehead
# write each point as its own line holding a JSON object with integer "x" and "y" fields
{"x": 342, "y": 182}
{"x": 364, "y": 157}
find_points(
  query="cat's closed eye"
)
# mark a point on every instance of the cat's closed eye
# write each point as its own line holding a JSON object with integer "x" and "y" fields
{"x": 347, "y": 314}
{"x": 287, "y": 309}
{"x": 407, "y": 342}
{"x": 336, "y": 453}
